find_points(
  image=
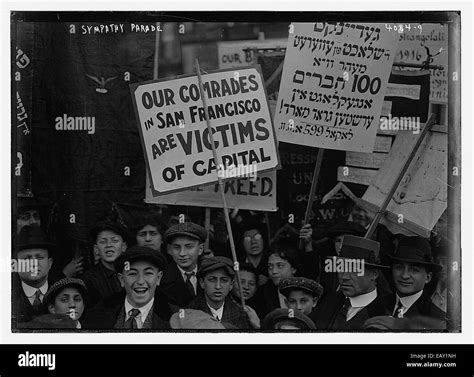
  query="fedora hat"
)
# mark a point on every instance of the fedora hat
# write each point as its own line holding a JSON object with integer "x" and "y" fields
{"x": 33, "y": 237}
{"x": 354, "y": 247}
{"x": 416, "y": 250}
{"x": 346, "y": 227}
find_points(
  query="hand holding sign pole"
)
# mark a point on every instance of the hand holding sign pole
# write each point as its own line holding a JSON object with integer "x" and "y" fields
{"x": 221, "y": 188}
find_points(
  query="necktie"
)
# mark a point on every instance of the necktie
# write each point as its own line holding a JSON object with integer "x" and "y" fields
{"x": 189, "y": 284}
{"x": 37, "y": 301}
{"x": 398, "y": 313}
{"x": 341, "y": 316}
{"x": 131, "y": 322}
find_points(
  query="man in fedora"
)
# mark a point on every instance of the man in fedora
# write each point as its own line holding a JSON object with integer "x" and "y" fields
{"x": 412, "y": 268}
{"x": 110, "y": 241}
{"x": 140, "y": 270}
{"x": 357, "y": 299}
{"x": 185, "y": 243}
{"x": 34, "y": 257}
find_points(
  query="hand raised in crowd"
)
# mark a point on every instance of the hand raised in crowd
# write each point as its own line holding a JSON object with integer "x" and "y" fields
{"x": 74, "y": 267}
{"x": 253, "y": 317}
{"x": 306, "y": 233}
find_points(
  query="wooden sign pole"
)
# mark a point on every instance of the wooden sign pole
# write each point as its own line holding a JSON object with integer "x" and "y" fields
{"x": 221, "y": 188}
{"x": 401, "y": 174}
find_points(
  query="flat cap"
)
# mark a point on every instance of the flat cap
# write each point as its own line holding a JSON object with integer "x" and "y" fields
{"x": 110, "y": 226}
{"x": 136, "y": 253}
{"x": 193, "y": 319}
{"x": 215, "y": 263}
{"x": 186, "y": 229}
{"x": 303, "y": 284}
{"x": 295, "y": 317}
{"x": 60, "y": 285}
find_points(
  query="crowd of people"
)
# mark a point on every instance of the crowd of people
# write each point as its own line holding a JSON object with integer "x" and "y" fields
{"x": 152, "y": 276}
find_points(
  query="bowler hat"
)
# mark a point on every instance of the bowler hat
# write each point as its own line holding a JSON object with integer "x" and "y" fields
{"x": 354, "y": 247}
{"x": 135, "y": 253}
{"x": 33, "y": 237}
{"x": 307, "y": 285}
{"x": 294, "y": 316}
{"x": 215, "y": 263}
{"x": 110, "y": 226}
{"x": 60, "y": 285}
{"x": 416, "y": 250}
{"x": 194, "y": 320}
{"x": 346, "y": 227}
{"x": 186, "y": 229}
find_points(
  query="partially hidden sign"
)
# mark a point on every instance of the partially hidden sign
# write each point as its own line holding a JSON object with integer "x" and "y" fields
{"x": 257, "y": 193}
{"x": 333, "y": 84}
{"x": 175, "y": 137}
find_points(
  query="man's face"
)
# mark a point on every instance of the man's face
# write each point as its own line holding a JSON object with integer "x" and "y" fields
{"x": 109, "y": 245}
{"x": 140, "y": 280}
{"x": 28, "y": 217}
{"x": 185, "y": 251}
{"x": 279, "y": 269}
{"x": 354, "y": 285}
{"x": 216, "y": 285}
{"x": 70, "y": 302}
{"x": 338, "y": 243}
{"x": 149, "y": 236}
{"x": 302, "y": 301}
{"x": 253, "y": 242}
{"x": 249, "y": 285}
{"x": 42, "y": 261}
{"x": 409, "y": 278}
{"x": 360, "y": 216}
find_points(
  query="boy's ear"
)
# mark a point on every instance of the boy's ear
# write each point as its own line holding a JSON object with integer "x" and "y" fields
{"x": 51, "y": 309}
{"x": 201, "y": 249}
{"x": 201, "y": 283}
{"x": 124, "y": 246}
{"x": 120, "y": 277}
{"x": 429, "y": 276}
{"x": 160, "y": 276}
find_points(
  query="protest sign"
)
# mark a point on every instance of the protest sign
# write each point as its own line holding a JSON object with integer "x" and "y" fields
{"x": 414, "y": 41}
{"x": 256, "y": 193}
{"x": 333, "y": 84}
{"x": 421, "y": 197}
{"x": 174, "y": 134}
{"x": 232, "y": 54}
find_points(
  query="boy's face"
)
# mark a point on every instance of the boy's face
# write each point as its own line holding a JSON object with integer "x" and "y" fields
{"x": 249, "y": 285}
{"x": 216, "y": 285}
{"x": 279, "y": 269}
{"x": 409, "y": 278}
{"x": 140, "y": 281}
{"x": 302, "y": 301}
{"x": 185, "y": 251}
{"x": 150, "y": 237}
{"x": 354, "y": 285}
{"x": 253, "y": 242}
{"x": 28, "y": 217}
{"x": 109, "y": 246}
{"x": 70, "y": 302}
{"x": 42, "y": 263}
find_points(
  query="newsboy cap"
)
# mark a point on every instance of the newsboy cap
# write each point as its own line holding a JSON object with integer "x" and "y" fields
{"x": 186, "y": 229}
{"x": 302, "y": 321}
{"x": 354, "y": 247}
{"x": 33, "y": 237}
{"x": 416, "y": 250}
{"x": 215, "y": 263}
{"x": 303, "y": 284}
{"x": 192, "y": 319}
{"x": 110, "y": 226}
{"x": 60, "y": 285}
{"x": 136, "y": 253}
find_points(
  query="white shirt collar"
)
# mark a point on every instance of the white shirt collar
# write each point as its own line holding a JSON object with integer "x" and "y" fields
{"x": 217, "y": 313}
{"x": 183, "y": 273}
{"x": 144, "y": 310}
{"x": 363, "y": 300}
{"x": 408, "y": 301}
{"x": 31, "y": 291}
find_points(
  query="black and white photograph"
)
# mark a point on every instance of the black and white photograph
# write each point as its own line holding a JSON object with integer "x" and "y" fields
{"x": 240, "y": 173}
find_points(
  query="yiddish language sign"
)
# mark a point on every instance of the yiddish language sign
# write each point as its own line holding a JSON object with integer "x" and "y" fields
{"x": 175, "y": 137}
{"x": 333, "y": 84}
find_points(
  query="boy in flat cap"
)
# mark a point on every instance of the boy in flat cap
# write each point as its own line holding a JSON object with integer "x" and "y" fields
{"x": 287, "y": 319}
{"x": 185, "y": 243}
{"x": 412, "y": 268}
{"x": 102, "y": 280}
{"x": 301, "y": 294}
{"x": 357, "y": 299}
{"x": 140, "y": 270}
{"x": 67, "y": 296}
{"x": 216, "y": 277}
